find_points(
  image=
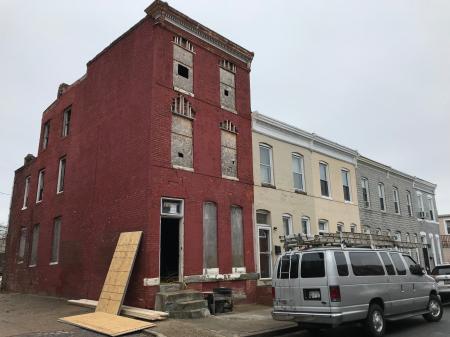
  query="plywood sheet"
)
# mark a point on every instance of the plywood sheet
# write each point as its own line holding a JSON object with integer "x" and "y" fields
{"x": 116, "y": 282}
{"x": 107, "y": 324}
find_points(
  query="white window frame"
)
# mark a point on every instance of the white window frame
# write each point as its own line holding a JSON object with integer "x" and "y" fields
{"x": 269, "y": 148}
{"x": 26, "y": 192}
{"x": 327, "y": 175}
{"x": 40, "y": 186}
{"x": 66, "y": 122}
{"x": 353, "y": 228}
{"x": 347, "y": 173}
{"x": 398, "y": 236}
{"x": 56, "y": 241}
{"x": 288, "y": 217}
{"x": 366, "y": 229}
{"x": 299, "y": 157}
{"x": 365, "y": 186}
{"x": 340, "y": 224}
{"x": 46, "y": 135}
{"x": 267, "y": 227}
{"x": 382, "y": 195}
{"x": 308, "y": 225}
{"x": 431, "y": 207}
{"x": 61, "y": 175}
{"x": 409, "y": 203}
{"x": 420, "y": 203}
{"x": 396, "y": 200}
{"x": 378, "y": 231}
{"x": 446, "y": 226}
{"x": 326, "y": 226}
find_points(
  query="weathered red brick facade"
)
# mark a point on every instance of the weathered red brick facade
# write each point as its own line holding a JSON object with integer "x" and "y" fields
{"x": 119, "y": 167}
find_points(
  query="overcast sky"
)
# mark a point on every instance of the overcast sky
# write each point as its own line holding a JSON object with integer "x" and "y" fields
{"x": 371, "y": 75}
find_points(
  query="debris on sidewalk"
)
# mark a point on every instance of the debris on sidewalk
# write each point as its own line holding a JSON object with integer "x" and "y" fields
{"x": 105, "y": 319}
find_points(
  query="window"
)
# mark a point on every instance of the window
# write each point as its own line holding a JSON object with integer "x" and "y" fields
{"x": 288, "y": 267}
{"x": 365, "y": 192}
{"x": 353, "y": 228}
{"x": 420, "y": 205}
{"x": 447, "y": 226}
{"x": 378, "y": 231}
{"x": 387, "y": 263}
{"x": 228, "y": 149}
{"x": 346, "y": 184}
{"x": 313, "y": 265}
{"x": 324, "y": 183}
{"x": 341, "y": 263}
{"x": 183, "y": 62}
{"x": 227, "y": 72}
{"x": 398, "y": 263}
{"x": 26, "y": 192}
{"x": 66, "y": 121}
{"x": 263, "y": 217}
{"x": 34, "y": 246}
{"x": 297, "y": 172}
{"x": 265, "y": 164}
{"x": 409, "y": 203}
{"x": 396, "y": 201}
{"x": 61, "y": 175}
{"x": 181, "y": 137}
{"x": 441, "y": 270}
{"x": 398, "y": 236}
{"x": 339, "y": 227}
{"x": 409, "y": 261}
{"x": 430, "y": 207}
{"x": 306, "y": 226}
{"x": 209, "y": 235}
{"x": 54, "y": 258}
{"x": 287, "y": 224}
{"x": 366, "y": 229}
{"x": 366, "y": 264}
{"x": 45, "y": 135}
{"x": 237, "y": 237}
{"x": 323, "y": 226}
{"x": 381, "y": 195}
{"x": 415, "y": 238}
{"x": 22, "y": 245}
{"x": 40, "y": 186}
{"x": 407, "y": 237}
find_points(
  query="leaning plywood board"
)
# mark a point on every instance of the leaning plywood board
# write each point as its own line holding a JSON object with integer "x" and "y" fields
{"x": 107, "y": 324}
{"x": 116, "y": 282}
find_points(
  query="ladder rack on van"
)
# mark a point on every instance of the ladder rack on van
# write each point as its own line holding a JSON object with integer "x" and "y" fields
{"x": 345, "y": 239}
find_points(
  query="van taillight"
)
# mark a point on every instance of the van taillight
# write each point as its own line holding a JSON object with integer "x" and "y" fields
{"x": 335, "y": 294}
{"x": 273, "y": 293}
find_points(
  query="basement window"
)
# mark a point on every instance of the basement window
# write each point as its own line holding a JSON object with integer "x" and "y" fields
{"x": 183, "y": 71}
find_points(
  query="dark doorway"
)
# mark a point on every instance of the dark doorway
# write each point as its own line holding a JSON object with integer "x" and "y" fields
{"x": 426, "y": 259}
{"x": 170, "y": 255}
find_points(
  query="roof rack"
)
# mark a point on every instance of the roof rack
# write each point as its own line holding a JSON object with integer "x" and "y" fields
{"x": 344, "y": 240}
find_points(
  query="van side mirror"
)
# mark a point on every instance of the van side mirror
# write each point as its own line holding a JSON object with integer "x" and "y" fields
{"x": 416, "y": 270}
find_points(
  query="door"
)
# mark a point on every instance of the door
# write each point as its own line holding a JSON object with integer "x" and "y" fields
{"x": 420, "y": 285}
{"x": 402, "y": 295}
{"x": 169, "y": 270}
{"x": 426, "y": 259}
{"x": 265, "y": 252}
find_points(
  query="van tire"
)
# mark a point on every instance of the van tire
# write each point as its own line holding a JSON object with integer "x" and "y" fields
{"x": 435, "y": 308}
{"x": 375, "y": 324}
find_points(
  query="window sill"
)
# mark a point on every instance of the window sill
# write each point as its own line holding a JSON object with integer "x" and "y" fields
{"x": 230, "y": 178}
{"x": 183, "y": 91}
{"x": 38, "y": 202}
{"x": 348, "y": 202}
{"x": 300, "y": 192}
{"x": 20, "y": 262}
{"x": 325, "y": 197}
{"x": 59, "y": 192}
{"x": 228, "y": 109}
{"x": 239, "y": 270}
{"x": 210, "y": 271}
{"x": 53, "y": 263}
{"x": 268, "y": 185}
{"x": 32, "y": 265}
{"x": 178, "y": 167}
{"x": 23, "y": 208}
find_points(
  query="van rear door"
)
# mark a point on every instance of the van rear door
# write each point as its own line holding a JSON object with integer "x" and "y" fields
{"x": 280, "y": 282}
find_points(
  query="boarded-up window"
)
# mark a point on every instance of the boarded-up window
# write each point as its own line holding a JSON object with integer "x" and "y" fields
{"x": 237, "y": 237}
{"x": 209, "y": 235}
{"x": 22, "y": 245}
{"x": 183, "y": 62}
{"x": 228, "y": 149}
{"x": 227, "y": 85}
{"x": 34, "y": 246}
{"x": 181, "y": 142}
{"x": 55, "y": 240}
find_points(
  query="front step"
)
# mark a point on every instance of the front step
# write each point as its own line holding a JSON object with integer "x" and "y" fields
{"x": 182, "y": 304}
{"x": 191, "y": 305}
{"x": 170, "y": 287}
{"x": 198, "y": 313}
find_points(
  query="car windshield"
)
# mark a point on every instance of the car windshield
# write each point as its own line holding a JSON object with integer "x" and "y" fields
{"x": 441, "y": 271}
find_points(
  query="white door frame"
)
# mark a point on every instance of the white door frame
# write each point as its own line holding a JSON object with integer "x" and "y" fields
{"x": 269, "y": 228}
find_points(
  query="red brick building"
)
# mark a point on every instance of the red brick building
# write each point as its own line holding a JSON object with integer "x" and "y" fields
{"x": 156, "y": 136}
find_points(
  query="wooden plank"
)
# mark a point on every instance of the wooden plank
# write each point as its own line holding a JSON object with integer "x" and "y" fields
{"x": 107, "y": 324}
{"x": 147, "y": 314}
{"x": 116, "y": 281}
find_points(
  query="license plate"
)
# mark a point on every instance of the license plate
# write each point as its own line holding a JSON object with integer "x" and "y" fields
{"x": 446, "y": 281}
{"x": 311, "y": 294}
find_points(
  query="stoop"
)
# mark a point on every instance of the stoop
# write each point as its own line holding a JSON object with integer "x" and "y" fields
{"x": 181, "y": 303}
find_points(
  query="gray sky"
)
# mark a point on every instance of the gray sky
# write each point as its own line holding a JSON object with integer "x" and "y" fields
{"x": 371, "y": 75}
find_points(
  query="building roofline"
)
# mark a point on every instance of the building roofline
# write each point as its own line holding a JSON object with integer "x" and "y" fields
{"x": 390, "y": 169}
{"x": 442, "y": 216}
{"x": 162, "y": 12}
{"x": 316, "y": 142}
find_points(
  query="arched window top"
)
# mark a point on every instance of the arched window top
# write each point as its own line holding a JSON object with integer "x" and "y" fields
{"x": 296, "y": 154}
{"x": 181, "y": 106}
{"x": 227, "y": 65}
{"x": 228, "y": 126}
{"x": 182, "y": 42}
{"x": 262, "y": 217}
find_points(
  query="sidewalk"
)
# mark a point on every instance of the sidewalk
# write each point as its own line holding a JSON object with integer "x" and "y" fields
{"x": 32, "y": 315}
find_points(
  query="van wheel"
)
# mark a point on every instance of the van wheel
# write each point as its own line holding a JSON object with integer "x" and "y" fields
{"x": 435, "y": 309}
{"x": 375, "y": 324}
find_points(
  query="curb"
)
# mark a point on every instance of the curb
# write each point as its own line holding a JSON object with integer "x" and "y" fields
{"x": 153, "y": 333}
{"x": 273, "y": 332}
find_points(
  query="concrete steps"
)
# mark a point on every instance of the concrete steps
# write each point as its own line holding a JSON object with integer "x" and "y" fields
{"x": 182, "y": 303}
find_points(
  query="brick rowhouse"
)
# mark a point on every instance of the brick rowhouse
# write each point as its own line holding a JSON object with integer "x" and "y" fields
{"x": 158, "y": 140}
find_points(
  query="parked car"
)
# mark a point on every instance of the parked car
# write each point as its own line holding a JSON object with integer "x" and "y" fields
{"x": 326, "y": 287}
{"x": 441, "y": 273}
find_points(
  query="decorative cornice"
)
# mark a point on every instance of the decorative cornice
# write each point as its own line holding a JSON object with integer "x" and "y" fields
{"x": 162, "y": 12}
{"x": 284, "y": 132}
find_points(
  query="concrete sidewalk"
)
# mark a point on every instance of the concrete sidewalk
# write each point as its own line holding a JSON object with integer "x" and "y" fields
{"x": 32, "y": 315}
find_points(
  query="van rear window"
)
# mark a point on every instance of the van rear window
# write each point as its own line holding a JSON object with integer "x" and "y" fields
{"x": 288, "y": 267}
{"x": 313, "y": 265}
{"x": 366, "y": 264}
{"x": 387, "y": 263}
